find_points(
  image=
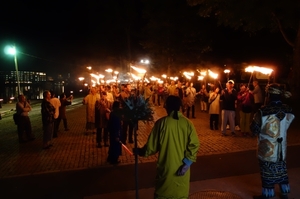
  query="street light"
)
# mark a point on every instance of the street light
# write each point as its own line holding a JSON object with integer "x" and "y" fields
{"x": 12, "y": 51}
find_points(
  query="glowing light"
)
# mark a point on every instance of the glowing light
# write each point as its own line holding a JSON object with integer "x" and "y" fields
{"x": 164, "y": 76}
{"x": 81, "y": 78}
{"x": 212, "y": 74}
{"x": 226, "y": 71}
{"x": 109, "y": 70}
{"x": 139, "y": 70}
{"x": 200, "y": 78}
{"x": 89, "y": 68}
{"x": 146, "y": 61}
{"x": 264, "y": 70}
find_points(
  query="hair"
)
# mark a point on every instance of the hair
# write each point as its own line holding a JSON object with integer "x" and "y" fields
{"x": 173, "y": 103}
{"x": 45, "y": 93}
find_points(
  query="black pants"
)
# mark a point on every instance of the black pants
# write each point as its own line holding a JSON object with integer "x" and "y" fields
{"x": 55, "y": 128}
{"x": 99, "y": 135}
{"x": 214, "y": 121}
{"x": 127, "y": 125}
{"x": 188, "y": 111}
{"x": 24, "y": 127}
{"x": 64, "y": 121}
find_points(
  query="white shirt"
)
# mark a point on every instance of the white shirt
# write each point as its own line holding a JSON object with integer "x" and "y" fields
{"x": 56, "y": 103}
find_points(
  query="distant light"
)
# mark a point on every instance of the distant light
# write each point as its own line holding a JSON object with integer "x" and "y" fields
{"x": 89, "y": 68}
{"x": 81, "y": 78}
{"x": 71, "y": 91}
{"x": 226, "y": 71}
{"x": 10, "y": 50}
{"x": 146, "y": 61}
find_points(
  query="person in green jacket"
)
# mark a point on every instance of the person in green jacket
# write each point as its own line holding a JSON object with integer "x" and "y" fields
{"x": 174, "y": 137}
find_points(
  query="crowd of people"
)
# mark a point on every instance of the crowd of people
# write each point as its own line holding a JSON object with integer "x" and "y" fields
{"x": 175, "y": 132}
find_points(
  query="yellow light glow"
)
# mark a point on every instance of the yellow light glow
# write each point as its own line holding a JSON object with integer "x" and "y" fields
{"x": 264, "y": 70}
{"x": 212, "y": 74}
{"x": 200, "y": 78}
{"x": 226, "y": 71}
{"x": 139, "y": 70}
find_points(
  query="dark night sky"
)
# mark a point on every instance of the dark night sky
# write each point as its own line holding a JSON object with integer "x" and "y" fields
{"x": 75, "y": 33}
{"x": 60, "y": 35}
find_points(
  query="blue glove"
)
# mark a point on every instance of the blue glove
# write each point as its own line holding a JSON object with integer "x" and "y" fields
{"x": 182, "y": 169}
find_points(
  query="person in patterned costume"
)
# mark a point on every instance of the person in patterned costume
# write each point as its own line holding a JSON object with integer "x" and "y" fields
{"x": 270, "y": 124}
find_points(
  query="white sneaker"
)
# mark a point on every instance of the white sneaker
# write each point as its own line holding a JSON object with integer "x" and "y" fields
{"x": 237, "y": 128}
{"x": 227, "y": 127}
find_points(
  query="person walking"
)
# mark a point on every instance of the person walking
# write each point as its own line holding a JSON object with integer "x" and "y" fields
{"x": 203, "y": 98}
{"x": 90, "y": 102}
{"x": 48, "y": 111}
{"x": 102, "y": 110}
{"x": 127, "y": 123}
{"x": 56, "y": 103}
{"x": 114, "y": 127}
{"x": 270, "y": 124}
{"x": 24, "y": 125}
{"x": 173, "y": 132}
{"x": 190, "y": 100}
{"x": 229, "y": 102}
{"x": 245, "y": 103}
{"x": 258, "y": 96}
{"x": 214, "y": 108}
{"x": 64, "y": 101}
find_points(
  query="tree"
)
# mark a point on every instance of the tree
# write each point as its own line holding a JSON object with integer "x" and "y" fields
{"x": 256, "y": 15}
{"x": 174, "y": 35}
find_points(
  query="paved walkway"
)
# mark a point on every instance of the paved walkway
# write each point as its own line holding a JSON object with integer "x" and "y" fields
{"x": 73, "y": 150}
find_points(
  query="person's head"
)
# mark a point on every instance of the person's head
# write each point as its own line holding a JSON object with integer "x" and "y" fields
{"x": 93, "y": 90}
{"x": 230, "y": 84}
{"x": 172, "y": 82}
{"x": 255, "y": 83}
{"x": 274, "y": 92}
{"x": 203, "y": 86}
{"x": 62, "y": 96}
{"x": 243, "y": 87}
{"x": 179, "y": 84}
{"x": 173, "y": 103}
{"x": 191, "y": 84}
{"x": 47, "y": 95}
{"x": 128, "y": 87}
{"x": 21, "y": 98}
{"x": 216, "y": 89}
{"x": 104, "y": 95}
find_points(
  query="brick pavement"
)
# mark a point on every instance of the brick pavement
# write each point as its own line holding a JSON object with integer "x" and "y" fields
{"x": 73, "y": 150}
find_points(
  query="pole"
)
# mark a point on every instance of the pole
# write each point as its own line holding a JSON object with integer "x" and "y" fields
{"x": 17, "y": 74}
{"x": 135, "y": 123}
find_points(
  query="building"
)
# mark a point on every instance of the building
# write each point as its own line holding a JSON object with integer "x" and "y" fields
{"x": 32, "y": 84}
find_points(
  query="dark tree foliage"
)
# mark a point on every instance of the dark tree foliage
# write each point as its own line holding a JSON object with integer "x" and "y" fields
{"x": 256, "y": 15}
{"x": 174, "y": 35}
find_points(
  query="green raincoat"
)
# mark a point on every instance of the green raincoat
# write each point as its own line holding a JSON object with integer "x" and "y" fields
{"x": 174, "y": 140}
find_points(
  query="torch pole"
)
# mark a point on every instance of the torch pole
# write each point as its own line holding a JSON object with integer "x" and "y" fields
{"x": 135, "y": 123}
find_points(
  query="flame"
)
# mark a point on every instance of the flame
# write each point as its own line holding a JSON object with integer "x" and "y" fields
{"x": 139, "y": 70}
{"x": 212, "y": 74}
{"x": 264, "y": 70}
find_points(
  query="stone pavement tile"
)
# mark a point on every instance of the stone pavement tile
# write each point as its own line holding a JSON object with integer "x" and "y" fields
{"x": 73, "y": 150}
